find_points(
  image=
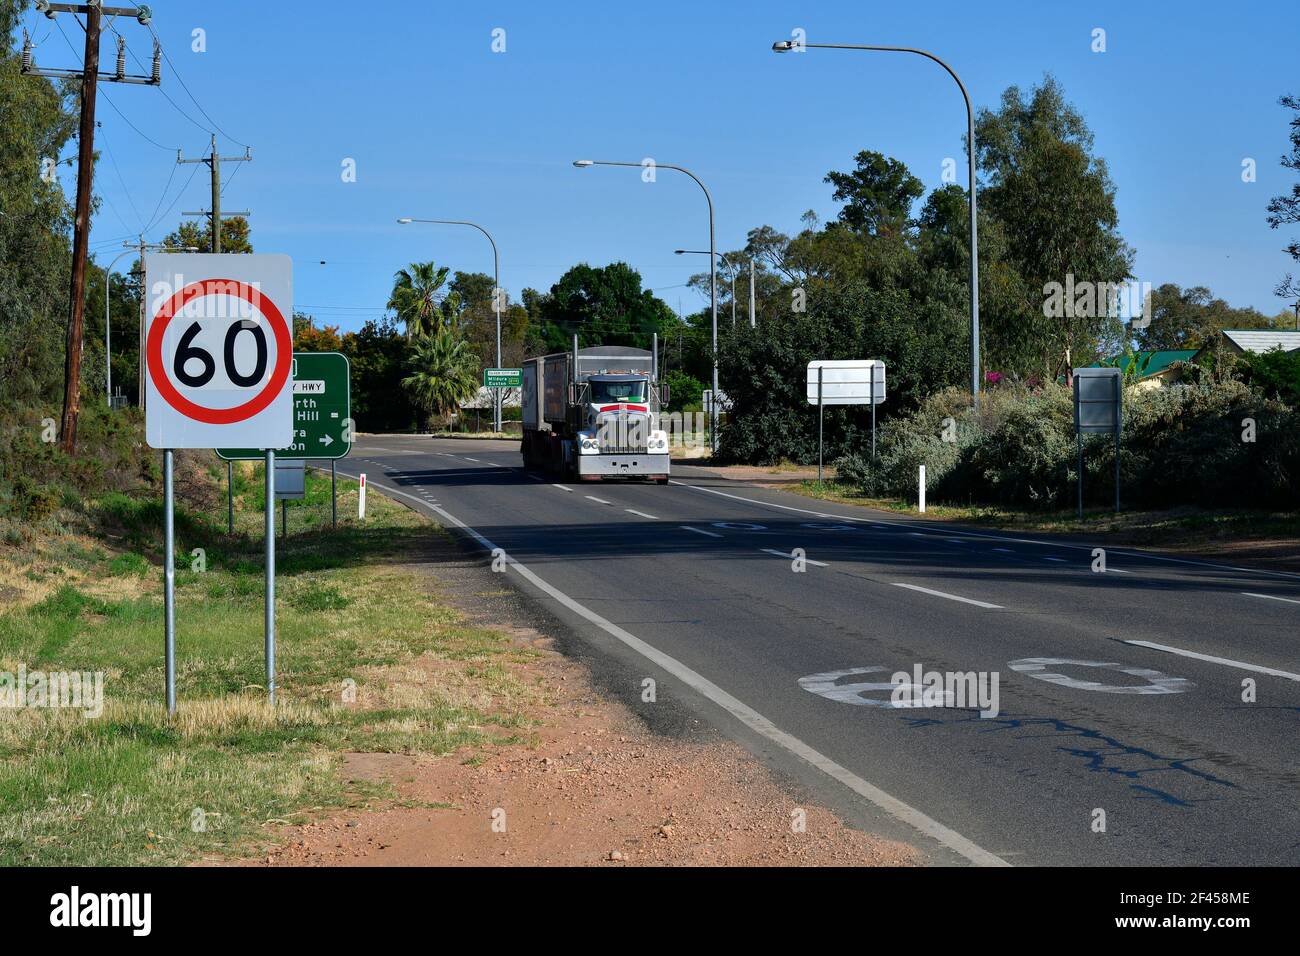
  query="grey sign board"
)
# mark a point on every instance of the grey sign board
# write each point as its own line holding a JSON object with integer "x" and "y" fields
{"x": 290, "y": 479}
{"x": 1098, "y": 395}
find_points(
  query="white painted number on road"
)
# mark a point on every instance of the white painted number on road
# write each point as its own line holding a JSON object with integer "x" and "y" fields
{"x": 1157, "y": 682}
{"x": 826, "y": 685}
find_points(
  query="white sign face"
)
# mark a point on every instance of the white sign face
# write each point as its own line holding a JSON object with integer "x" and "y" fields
{"x": 847, "y": 382}
{"x": 218, "y": 351}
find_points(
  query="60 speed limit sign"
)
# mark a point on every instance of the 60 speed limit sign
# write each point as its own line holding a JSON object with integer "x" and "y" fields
{"x": 218, "y": 351}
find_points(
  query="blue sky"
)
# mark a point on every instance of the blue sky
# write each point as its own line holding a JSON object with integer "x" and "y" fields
{"x": 440, "y": 126}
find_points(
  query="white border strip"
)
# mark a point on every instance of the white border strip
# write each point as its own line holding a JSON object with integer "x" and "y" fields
{"x": 1227, "y": 662}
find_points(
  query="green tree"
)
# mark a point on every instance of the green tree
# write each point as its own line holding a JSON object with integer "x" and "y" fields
{"x": 35, "y": 218}
{"x": 1285, "y": 209}
{"x": 443, "y": 372}
{"x": 605, "y": 305}
{"x": 417, "y": 297}
{"x": 377, "y": 354}
{"x": 1186, "y": 318}
{"x": 1056, "y": 205}
{"x": 235, "y": 235}
{"x": 878, "y": 194}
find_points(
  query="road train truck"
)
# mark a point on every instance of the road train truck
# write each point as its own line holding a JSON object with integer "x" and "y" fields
{"x": 593, "y": 413}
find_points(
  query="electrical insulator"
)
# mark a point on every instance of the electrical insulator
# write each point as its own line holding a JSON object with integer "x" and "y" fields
{"x": 27, "y": 52}
{"x": 121, "y": 58}
{"x": 157, "y": 64}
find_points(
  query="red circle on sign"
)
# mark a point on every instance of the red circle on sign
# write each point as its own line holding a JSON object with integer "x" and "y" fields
{"x": 158, "y": 372}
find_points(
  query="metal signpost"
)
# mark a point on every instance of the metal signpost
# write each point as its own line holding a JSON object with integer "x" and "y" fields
{"x": 322, "y": 415}
{"x": 217, "y": 362}
{"x": 1098, "y": 409}
{"x": 845, "y": 382}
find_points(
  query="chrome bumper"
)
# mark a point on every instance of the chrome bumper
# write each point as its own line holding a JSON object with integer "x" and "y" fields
{"x": 612, "y": 466}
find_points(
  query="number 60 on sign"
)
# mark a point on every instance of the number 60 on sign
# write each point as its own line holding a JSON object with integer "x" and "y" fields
{"x": 218, "y": 351}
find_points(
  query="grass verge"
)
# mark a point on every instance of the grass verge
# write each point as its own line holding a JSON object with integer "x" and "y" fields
{"x": 369, "y": 659}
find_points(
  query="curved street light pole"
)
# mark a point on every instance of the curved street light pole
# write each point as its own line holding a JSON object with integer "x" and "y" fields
{"x": 785, "y": 46}
{"x": 713, "y": 271}
{"x": 496, "y": 297}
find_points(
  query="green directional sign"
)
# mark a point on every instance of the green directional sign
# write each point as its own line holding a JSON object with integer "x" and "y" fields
{"x": 322, "y": 410}
{"x": 503, "y": 377}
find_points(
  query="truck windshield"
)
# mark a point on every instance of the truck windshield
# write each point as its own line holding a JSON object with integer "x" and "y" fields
{"x": 633, "y": 390}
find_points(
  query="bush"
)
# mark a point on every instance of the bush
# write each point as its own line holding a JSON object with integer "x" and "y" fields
{"x": 1185, "y": 444}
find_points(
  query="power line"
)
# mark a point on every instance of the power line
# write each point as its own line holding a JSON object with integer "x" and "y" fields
{"x": 180, "y": 79}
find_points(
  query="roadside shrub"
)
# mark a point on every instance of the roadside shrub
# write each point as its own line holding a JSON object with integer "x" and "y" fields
{"x": 1185, "y": 444}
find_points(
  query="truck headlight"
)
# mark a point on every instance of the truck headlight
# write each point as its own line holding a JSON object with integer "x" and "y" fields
{"x": 658, "y": 442}
{"x": 587, "y": 443}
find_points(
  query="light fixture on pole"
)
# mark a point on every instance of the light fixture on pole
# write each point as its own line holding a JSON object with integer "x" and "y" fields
{"x": 723, "y": 258}
{"x": 496, "y": 295}
{"x": 785, "y": 46}
{"x": 713, "y": 266}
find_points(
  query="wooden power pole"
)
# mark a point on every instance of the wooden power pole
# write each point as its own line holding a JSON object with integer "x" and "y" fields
{"x": 89, "y": 75}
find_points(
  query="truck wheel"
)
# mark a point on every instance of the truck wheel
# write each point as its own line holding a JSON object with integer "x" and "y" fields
{"x": 661, "y": 481}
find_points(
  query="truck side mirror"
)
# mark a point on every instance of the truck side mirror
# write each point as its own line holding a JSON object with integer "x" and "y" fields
{"x": 573, "y": 394}
{"x": 665, "y": 395}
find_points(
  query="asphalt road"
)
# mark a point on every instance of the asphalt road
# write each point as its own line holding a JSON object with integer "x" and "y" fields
{"x": 1103, "y": 751}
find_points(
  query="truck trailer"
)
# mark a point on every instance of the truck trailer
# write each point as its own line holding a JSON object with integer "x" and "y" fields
{"x": 593, "y": 414}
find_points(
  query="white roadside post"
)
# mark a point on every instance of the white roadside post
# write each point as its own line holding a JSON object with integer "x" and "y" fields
{"x": 218, "y": 355}
{"x": 921, "y": 495}
{"x": 361, "y": 499}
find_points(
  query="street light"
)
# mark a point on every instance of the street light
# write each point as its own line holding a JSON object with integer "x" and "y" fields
{"x": 785, "y": 46}
{"x": 713, "y": 266}
{"x": 128, "y": 248}
{"x": 705, "y": 252}
{"x": 496, "y": 295}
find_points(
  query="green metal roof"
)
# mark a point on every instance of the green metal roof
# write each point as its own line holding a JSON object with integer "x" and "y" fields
{"x": 1160, "y": 360}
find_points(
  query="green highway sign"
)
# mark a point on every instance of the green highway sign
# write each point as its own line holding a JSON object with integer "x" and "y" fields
{"x": 322, "y": 410}
{"x": 503, "y": 377}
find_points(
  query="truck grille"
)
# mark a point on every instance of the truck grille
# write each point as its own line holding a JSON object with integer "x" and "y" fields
{"x": 620, "y": 434}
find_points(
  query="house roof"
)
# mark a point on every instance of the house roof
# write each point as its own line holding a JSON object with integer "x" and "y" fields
{"x": 1263, "y": 340}
{"x": 1160, "y": 360}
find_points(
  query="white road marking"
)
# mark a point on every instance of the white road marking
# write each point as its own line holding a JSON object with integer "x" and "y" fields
{"x": 474, "y": 460}
{"x": 1143, "y": 555}
{"x": 1050, "y": 558}
{"x": 1004, "y": 550}
{"x": 711, "y": 534}
{"x": 642, "y": 514}
{"x": 751, "y": 718}
{"x": 790, "y": 557}
{"x": 944, "y": 594}
{"x": 1270, "y": 597}
{"x": 1157, "y": 682}
{"x": 1227, "y": 662}
{"x": 597, "y": 500}
{"x": 562, "y": 487}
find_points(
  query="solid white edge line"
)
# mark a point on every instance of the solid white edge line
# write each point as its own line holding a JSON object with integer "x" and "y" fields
{"x": 790, "y": 557}
{"x": 751, "y": 718}
{"x": 1270, "y": 597}
{"x": 633, "y": 511}
{"x": 945, "y": 594}
{"x": 711, "y": 534}
{"x": 1228, "y": 662}
{"x": 1143, "y": 555}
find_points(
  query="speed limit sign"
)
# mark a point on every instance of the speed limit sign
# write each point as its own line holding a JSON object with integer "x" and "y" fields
{"x": 218, "y": 351}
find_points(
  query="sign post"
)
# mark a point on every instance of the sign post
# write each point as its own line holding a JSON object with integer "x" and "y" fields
{"x": 845, "y": 382}
{"x": 217, "y": 363}
{"x": 1098, "y": 409}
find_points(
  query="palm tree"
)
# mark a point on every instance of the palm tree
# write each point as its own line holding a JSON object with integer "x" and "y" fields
{"x": 416, "y": 295}
{"x": 444, "y": 372}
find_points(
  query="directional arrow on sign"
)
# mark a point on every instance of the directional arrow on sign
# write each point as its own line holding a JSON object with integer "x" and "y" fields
{"x": 325, "y": 439}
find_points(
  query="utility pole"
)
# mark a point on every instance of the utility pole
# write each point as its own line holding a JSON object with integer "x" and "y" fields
{"x": 94, "y": 11}
{"x": 213, "y": 161}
